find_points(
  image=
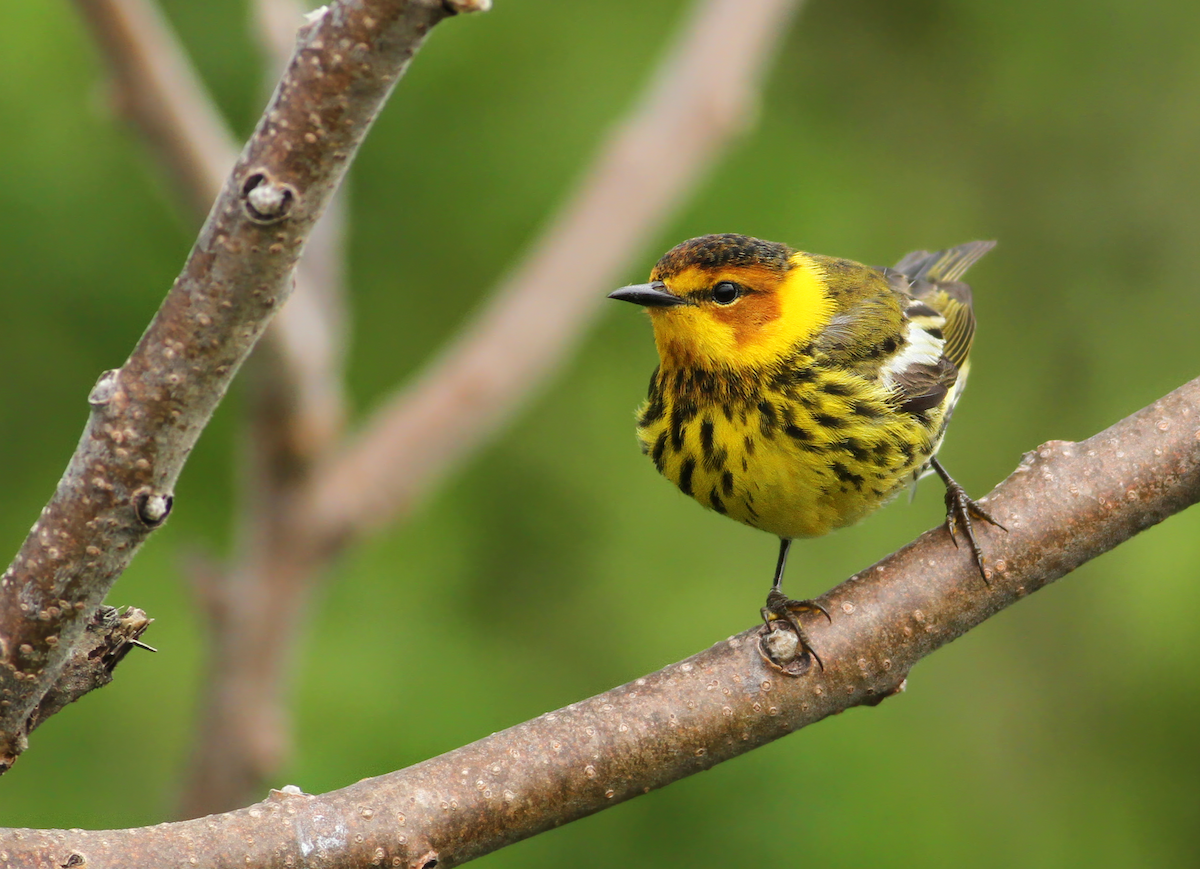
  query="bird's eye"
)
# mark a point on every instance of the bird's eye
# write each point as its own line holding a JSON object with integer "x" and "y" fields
{"x": 726, "y": 293}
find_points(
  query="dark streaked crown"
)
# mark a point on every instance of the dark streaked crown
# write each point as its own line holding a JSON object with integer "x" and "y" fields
{"x": 720, "y": 251}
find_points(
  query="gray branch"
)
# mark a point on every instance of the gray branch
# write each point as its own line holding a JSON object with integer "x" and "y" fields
{"x": 146, "y": 416}
{"x": 1065, "y": 504}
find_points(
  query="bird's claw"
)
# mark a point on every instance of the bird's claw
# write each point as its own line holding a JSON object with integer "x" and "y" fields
{"x": 780, "y": 607}
{"x": 960, "y": 509}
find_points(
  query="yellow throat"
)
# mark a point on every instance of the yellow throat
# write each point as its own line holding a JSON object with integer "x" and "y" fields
{"x": 778, "y": 308}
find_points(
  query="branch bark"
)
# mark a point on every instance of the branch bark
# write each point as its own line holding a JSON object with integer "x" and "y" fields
{"x": 146, "y": 416}
{"x": 161, "y": 94}
{"x": 109, "y": 636}
{"x": 1065, "y": 504}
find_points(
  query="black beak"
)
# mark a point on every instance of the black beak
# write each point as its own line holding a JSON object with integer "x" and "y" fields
{"x": 652, "y": 295}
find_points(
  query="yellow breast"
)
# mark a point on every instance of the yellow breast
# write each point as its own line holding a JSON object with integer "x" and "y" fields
{"x": 797, "y": 456}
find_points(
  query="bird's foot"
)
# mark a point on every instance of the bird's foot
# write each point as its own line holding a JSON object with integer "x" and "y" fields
{"x": 960, "y": 510}
{"x": 781, "y": 607}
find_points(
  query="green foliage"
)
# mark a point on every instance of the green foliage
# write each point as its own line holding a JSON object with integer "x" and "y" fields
{"x": 1061, "y": 733}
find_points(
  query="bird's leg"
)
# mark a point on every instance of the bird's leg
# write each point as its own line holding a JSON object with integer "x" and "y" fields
{"x": 785, "y": 546}
{"x": 780, "y": 606}
{"x": 960, "y": 509}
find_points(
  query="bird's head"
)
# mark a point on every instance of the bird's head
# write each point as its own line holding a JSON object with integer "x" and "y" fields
{"x": 731, "y": 302}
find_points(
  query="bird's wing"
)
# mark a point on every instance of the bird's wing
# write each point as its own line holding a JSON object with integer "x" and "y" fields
{"x": 939, "y": 323}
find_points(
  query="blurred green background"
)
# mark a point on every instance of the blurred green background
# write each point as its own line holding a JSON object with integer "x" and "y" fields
{"x": 1062, "y": 733}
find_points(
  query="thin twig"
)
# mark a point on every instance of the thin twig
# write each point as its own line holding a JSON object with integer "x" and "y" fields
{"x": 147, "y": 415}
{"x": 1065, "y": 504}
{"x": 692, "y": 109}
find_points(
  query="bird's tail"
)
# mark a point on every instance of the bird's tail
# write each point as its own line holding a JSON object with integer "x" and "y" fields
{"x": 943, "y": 265}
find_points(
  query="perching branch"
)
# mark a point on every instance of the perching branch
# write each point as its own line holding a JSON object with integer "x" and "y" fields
{"x": 146, "y": 416}
{"x": 1065, "y": 504}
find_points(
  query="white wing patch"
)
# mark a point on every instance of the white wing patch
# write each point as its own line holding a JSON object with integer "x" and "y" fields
{"x": 920, "y": 348}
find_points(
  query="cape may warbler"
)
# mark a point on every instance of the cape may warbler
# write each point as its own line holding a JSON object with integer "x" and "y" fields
{"x": 797, "y": 393}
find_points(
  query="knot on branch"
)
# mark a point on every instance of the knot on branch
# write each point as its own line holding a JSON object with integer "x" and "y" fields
{"x": 457, "y": 7}
{"x": 267, "y": 200}
{"x": 428, "y": 860}
{"x": 108, "y": 637}
{"x": 780, "y": 648}
{"x": 152, "y": 507}
{"x": 104, "y": 390}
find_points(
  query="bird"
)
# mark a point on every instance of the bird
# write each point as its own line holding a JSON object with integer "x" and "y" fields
{"x": 797, "y": 393}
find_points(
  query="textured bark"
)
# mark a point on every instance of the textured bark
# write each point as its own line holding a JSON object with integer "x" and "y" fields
{"x": 1065, "y": 504}
{"x": 155, "y": 87}
{"x": 146, "y": 416}
{"x": 294, "y": 417}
